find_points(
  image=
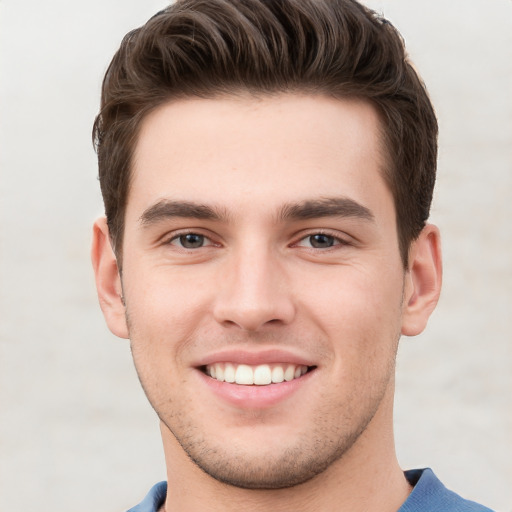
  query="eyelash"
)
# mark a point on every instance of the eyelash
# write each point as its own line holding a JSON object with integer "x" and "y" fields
{"x": 184, "y": 234}
{"x": 336, "y": 240}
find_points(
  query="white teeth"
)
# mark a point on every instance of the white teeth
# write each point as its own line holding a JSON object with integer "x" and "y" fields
{"x": 260, "y": 375}
{"x": 289, "y": 373}
{"x": 277, "y": 374}
{"x": 244, "y": 375}
{"x": 229, "y": 373}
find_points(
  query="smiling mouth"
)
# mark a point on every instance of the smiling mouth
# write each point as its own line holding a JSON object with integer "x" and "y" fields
{"x": 258, "y": 375}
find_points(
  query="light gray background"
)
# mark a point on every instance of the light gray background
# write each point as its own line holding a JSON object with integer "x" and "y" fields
{"x": 76, "y": 432}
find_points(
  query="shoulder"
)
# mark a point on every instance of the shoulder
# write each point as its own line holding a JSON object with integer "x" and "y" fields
{"x": 154, "y": 499}
{"x": 430, "y": 495}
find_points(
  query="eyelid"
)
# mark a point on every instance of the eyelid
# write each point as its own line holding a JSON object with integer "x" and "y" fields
{"x": 168, "y": 238}
{"x": 340, "y": 239}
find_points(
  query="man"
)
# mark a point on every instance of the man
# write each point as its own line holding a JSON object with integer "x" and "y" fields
{"x": 267, "y": 169}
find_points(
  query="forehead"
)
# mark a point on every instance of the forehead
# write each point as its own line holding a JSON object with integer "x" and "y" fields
{"x": 265, "y": 151}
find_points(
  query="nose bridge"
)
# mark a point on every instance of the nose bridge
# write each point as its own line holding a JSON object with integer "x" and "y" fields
{"x": 253, "y": 291}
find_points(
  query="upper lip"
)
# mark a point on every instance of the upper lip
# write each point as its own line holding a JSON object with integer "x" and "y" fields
{"x": 253, "y": 358}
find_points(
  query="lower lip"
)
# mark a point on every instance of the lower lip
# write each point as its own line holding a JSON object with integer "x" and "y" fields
{"x": 255, "y": 397}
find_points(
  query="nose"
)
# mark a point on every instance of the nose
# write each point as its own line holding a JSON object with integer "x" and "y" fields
{"x": 254, "y": 292}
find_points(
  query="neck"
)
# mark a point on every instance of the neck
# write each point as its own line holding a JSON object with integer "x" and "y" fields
{"x": 366, "y": 478}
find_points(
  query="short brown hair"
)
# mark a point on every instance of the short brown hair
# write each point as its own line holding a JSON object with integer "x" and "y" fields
{"x": 210, "y": 48}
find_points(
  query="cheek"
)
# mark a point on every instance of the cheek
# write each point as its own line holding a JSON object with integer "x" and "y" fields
{"x": 163, "y": 316}
{"x": 164, "y": 310}
{"x": 166, "y": 293}
{"x": 360, "y": 313}
{"x": 353, "y": 297}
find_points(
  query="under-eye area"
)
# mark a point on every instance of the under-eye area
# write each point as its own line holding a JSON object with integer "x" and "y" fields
{"x": 258, "y": 375}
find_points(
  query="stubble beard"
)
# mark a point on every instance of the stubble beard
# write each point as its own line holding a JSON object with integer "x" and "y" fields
{"x": 295, "y": 465}
{"x": 306, "y": 456}
{"x": 310, "y": 455}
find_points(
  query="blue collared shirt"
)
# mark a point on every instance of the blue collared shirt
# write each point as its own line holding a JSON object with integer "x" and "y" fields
{"x": 428, "y": 495}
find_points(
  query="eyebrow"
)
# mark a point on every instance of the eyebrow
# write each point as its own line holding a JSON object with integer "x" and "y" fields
{"x": 326, "y": 207}
{"x": 303, "y": 210}
{"x": 167, "y": 209}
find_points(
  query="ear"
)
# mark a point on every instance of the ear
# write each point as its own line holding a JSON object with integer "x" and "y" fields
{"x": 422, "y": 281}
{"x": 108, "y": 280}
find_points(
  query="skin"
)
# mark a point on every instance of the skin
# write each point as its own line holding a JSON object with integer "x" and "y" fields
{"x": 294, "y": 256}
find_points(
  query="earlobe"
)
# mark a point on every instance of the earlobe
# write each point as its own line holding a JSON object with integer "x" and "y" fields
{"x": 423, "y": 281}
{"x": 108, "y": 280}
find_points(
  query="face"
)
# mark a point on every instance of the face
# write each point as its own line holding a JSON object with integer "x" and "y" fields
{"x": 263, "y": 284}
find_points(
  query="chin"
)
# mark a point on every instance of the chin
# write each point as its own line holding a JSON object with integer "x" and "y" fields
{"x": 288, "y": 471}
{"x": 276, "y": 466}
